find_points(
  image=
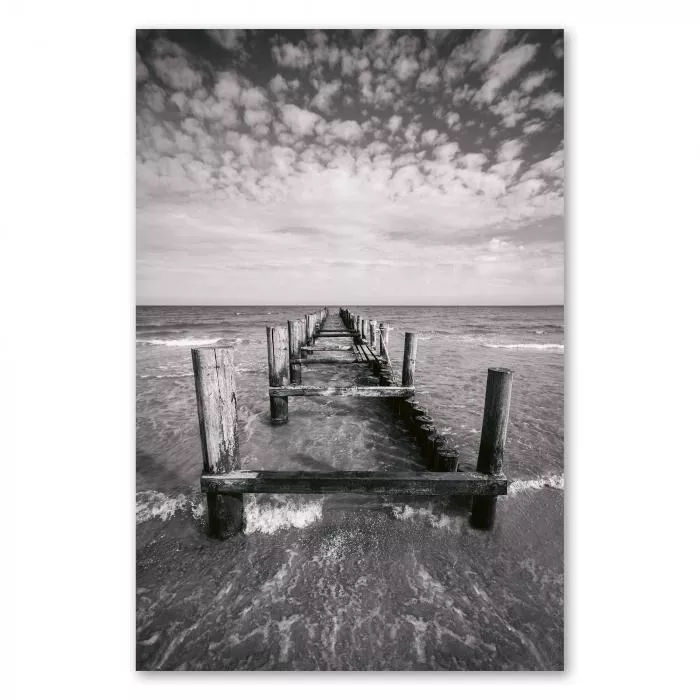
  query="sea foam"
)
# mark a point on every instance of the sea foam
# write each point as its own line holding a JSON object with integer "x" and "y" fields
{"x": 551, "y": 347}
{"x": 180, "y": 342}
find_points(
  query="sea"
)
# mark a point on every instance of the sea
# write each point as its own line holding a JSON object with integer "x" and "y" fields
{"x": 345, "y": 582}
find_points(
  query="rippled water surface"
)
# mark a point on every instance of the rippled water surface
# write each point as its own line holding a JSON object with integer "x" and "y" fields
{"x": 345, "y": 582}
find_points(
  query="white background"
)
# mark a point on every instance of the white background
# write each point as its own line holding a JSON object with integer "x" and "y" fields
{"x": 67, "y": 446}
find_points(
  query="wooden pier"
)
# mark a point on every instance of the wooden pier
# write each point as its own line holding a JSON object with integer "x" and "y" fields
{"x": 353, "y": 340}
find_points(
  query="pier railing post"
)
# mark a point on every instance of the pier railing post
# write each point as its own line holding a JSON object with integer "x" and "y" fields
{"x": 384, "y": 340}
{"x": 373, "y": 335}
{"x": 295, "y": 343}
{"x": 410, "y": 348}
{"x": 493, "y": 440}
{"x": 217, "y": 408}
{"x": 278, "y": 364}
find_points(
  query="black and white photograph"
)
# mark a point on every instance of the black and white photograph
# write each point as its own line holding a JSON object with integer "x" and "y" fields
{"x": 350, "y": 348}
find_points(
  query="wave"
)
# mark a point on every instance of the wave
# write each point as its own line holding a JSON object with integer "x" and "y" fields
{"x": 270, "y": 513}
{"x": 551, "y": 347}
{"x": 179, "y": 342}
{"x": 266, "y": 513}
{"x": 166, "y": 376}
{"x": 154, "y": 504}
{"x": 552, "y": 481}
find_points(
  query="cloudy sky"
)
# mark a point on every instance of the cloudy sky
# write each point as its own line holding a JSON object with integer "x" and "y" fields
{"x": 329, "y": 167}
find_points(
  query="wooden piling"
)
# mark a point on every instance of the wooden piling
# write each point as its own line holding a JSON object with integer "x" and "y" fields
{"x": 448, "y": 460}
{"x": 384, "y": 340}
{"x": 278, "y": 364}
{"x": 373, "y": 335}
{"x": 493, "y": 439}
{"x": 217, "y": 408}
{"x": 295, "y": 343}
{"x": 410, "y": 348}
{"x": 365, "y": 329}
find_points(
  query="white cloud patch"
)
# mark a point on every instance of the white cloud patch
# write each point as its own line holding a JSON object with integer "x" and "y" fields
{"x": 292, "y": 56}
{"x": 510, "y": 149}
{"x": 323, "y": 99}
{"x": 548, "y": 103}
{"x": 534, "y": 80}
{"x": 299, "y": 121}
{"x": 504, "y": 69}
{"x": 346, "y": 131}
{"x": 428, "y": 79}
{"x": 406, "y": 67}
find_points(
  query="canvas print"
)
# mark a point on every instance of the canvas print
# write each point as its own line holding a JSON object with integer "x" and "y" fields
{"x": 349, "y": 350}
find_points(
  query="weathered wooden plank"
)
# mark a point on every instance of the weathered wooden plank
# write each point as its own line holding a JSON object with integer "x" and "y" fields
{"x": 410, "y": 349}
{"x": 385, "y": 483}
{"x": 278, "y": 365}
{"x": 493, "y": 440}
{"x": 395, "y": 392}
{"x": 296, "y": 336}
{"x": 337, "y": 334}
{"x": 373, "y": 335}
{"x": 326, "y": 348}
{"x": 384, "y": 340}
{"x": 327, "y": 360}
{"x": 217, "y": 408}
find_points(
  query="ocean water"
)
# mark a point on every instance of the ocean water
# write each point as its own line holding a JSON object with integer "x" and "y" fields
{"x": 345, "y": 582}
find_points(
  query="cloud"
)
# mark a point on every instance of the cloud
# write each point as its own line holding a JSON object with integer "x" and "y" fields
{"x": 323, "y": 100}
{"x": 452, "y": 119}
{"x": 154, "y": 97}
{"x": 428, "y": 79}
{"x": 487, "y": 43}
{"x": 548, "y": 103}
{"x": 346, "y": 131}
{"x": 142, "y": 72}
{"x": 534, "y": 80}
{"x": 374, "y": 149}
{"x": 253, "y": 117}
{"x": 229, "y": 39}
{"x": 228, "y": 87}
{"x": 533, "y": 127}
{"x": 406, "y": 67}
{"x": 511, "y": 109}
{"x": 504, "y": 69}
{"x": 510, "y": 149}
{"x": 299, "y": 121}
{"x": 447, "y": 151}
{"x": 292, "y": 56}
{"x": 429, "y": 137}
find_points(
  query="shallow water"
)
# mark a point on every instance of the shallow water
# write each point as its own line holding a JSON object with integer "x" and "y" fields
{"x": 352, "y": 582}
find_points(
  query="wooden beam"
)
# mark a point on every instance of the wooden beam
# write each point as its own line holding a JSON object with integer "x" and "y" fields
{"x": 384, "y": 483}
{"x": 326, "y": 348}
{"x": 326, "y": 360}
{"x": 392, "y": 392}
{"x": 337, "y": 334}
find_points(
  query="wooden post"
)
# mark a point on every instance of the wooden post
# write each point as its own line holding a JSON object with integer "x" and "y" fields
{"x": 295, "y": 342}
{"x": 373, "y": 335}
{"x": 493, "y": 441}
{"x": 448, "y": 460}
{"x": 410, "y": 348}
{"x": 440, "y": 444}
{"x": 217, "y": 408}
{"x": 365, "y": 329}
{"x": 384, "y": 340}
{"x": 278, "y": 364}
